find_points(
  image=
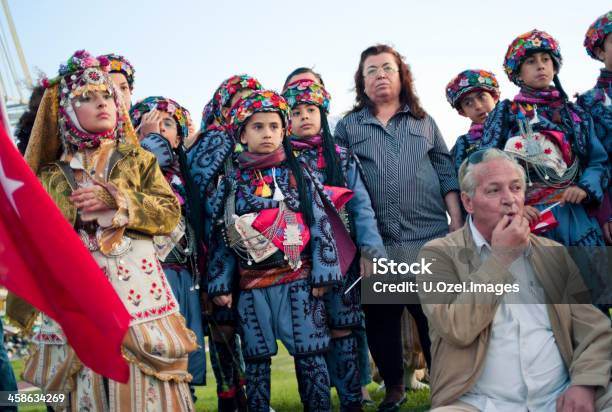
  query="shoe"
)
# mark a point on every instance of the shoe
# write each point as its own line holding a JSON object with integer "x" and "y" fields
{"x": 367, "y": 402}
{"x": 394, "y": 399}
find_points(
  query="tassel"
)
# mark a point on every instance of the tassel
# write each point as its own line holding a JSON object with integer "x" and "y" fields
{"x": 265, "y": 190}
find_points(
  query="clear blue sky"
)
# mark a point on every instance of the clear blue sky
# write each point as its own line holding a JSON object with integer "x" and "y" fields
{"x": 184, "y": 49}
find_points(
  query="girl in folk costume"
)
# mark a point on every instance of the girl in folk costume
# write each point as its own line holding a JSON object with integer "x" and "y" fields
{"x": 86, "y": 154}
{"x": 598, "y": 102}
{"x": 556, "y": 142}
{"x": 273, "y": 228}
{"x": 163, "y": 134}
{"x": 334, "y": 166}
{"x": 473, "y": 93}
{"x": 209, "y": 158}
{"x": 122, "y": 74}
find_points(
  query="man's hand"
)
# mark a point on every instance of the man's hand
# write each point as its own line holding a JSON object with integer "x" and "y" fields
{"x": 319, "y": 292}
{"x": 577, "y": 398}
{"x": 149, "y": 124}
{"x": 573, "y": 194}
{"x": 223, "y": 300}
{"x": 510, "y": 238}
{"x": 531, "y": 214}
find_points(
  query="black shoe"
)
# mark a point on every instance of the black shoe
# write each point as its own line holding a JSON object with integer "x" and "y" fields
{"x": 394, "y": 399}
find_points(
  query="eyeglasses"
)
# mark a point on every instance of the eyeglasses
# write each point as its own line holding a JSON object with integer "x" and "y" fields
{"x": 387, "y": 69}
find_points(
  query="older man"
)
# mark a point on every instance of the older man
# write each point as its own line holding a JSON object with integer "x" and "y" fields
{"x": 522, "y": 349}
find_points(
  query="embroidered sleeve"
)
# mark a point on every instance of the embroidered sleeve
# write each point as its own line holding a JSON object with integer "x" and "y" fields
{"x": 325, "y": 264}
{"x": 145, "y": 200}
{"x": 160, "y": 147}
{"x": 596, "y": 172}
{"x": 205, "y": 159}
{"x": 222, "y": 263}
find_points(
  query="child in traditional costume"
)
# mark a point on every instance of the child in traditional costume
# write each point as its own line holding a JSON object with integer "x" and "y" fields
{"x": 334, "y": 166}
{"x": 273, "y": 225}
{"x": 598, "y": 102}
{"x": 212, "y": 157}
{"x": 179, "y": 253}
{"x": 473, "y": 93}
{"x": 122, "y": 74}
{"x": 85, "y": 152}
{"x": 556, "y": 143}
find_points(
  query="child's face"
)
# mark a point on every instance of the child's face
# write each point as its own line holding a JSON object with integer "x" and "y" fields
{"x": 96, "y": 111}
{"x": 168, "y": 129}
{"x": 604, "y": 53}
{"x": 123, "y": 86}
{"x": 263, "y": 132}
{"x": 477, "y": 105}
{"x": 305, "y": 120}
{"x": 537, "y": 71}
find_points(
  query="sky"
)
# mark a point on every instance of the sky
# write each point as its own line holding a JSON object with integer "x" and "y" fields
{"x": 185, "y": 49}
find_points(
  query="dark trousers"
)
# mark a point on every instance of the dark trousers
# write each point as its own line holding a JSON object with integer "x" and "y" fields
{"x": 383, "y": 329}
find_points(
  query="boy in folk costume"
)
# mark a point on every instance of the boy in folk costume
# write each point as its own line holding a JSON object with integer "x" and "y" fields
{"x": 334, "y": 166}
{"x": 163, "y": 134}
{"x": 272, "y": 226}
{"x": 209, "y": 158}
{"x": 554, "y": 140}
{"x": 85, "y": 152}
{"x": 473, "y": 93}
{"x": 598, "y": 102}
{"x": 122, "y": 74}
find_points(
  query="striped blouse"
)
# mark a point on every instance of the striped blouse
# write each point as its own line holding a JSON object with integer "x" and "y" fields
{"x": 407, "y": 170}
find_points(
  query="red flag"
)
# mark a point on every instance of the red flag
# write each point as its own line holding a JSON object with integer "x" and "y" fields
{"x": 43, "y": 261}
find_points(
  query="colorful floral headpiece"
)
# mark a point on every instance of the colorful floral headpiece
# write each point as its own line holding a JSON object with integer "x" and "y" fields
{"x": 80, "y": 75}
{"x": 307, "y": 91}
{"x": 178, "y": 112}
{"x": 119, "y": 64}
{"x": 223, "y": 96}
{"x": 258, "y": 101}
{"x": 597, "y": 32}
{"x": 526, "y": 44}
{"x": 468, "y": 81}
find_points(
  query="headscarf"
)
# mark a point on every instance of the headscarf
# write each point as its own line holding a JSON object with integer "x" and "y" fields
{"x": 119, "y": 64}
{"x": 178, "y": 112}
{"x": 527, "y": 44}
{"x": 307, "y": 92}
{"x": 258, "y": 101}
{"x": 56, "y": 127}
{"x": 223, "y": 96}
{"x": 468, "y": 81}
{"x": 597, "y": 32}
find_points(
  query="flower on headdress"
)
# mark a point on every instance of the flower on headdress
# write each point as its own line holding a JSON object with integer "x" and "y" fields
{"x": 518, "y": 145}
{"x": 536, "y": 42}
{"x": 464, "y": 82}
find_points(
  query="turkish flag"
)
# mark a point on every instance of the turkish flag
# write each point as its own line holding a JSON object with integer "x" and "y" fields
{"x": 43, "y": 261}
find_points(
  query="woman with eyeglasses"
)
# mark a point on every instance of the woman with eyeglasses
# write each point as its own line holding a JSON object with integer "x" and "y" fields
{"x": 410, "y": 176}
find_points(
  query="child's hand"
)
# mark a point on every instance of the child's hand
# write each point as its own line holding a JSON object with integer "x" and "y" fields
{"x": 573, "y": 194}
{"x": 366, "y": 266}
{"x": 319, "y": 292}
{"x": 92, "y": 199}
{"x": 531, "y": 214}
{"x": 223, "y": 300}
{"x": 607, "y": 232}
{"x": 149, "y": 124}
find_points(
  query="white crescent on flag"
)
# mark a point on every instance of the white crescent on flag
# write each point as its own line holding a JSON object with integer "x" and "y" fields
{"x": 10, "y": 186}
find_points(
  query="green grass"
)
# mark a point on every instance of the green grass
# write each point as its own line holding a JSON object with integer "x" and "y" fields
{"x": 285, "y": 397}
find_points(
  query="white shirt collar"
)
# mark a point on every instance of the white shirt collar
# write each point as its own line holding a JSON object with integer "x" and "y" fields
{"x": 479, "y": 239}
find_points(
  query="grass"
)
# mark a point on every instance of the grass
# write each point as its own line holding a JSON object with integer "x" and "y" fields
{"x": 284, "y": 398}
